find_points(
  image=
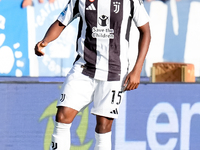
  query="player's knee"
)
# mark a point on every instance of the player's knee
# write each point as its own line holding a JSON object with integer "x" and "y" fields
{"x": 64, "y": 115}
{"x": 104, "y": 124}
{"x": 103, "y": 127}
{"x": 62, "y": 118}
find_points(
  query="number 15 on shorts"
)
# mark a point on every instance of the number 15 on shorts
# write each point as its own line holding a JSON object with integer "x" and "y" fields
{"x": 116, "y": 97}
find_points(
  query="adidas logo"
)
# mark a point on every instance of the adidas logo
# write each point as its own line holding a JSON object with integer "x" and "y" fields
{"x": 114, "y": 111}
{"x": 91, "y": 7}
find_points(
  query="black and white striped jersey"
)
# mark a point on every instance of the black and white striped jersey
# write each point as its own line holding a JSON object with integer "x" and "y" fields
{"x": 103, "y": 34}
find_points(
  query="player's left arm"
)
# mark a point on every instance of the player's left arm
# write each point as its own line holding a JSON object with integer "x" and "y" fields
{"x": 133, "y": 78}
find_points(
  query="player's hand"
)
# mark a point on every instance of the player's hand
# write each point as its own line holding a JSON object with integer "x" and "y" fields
{"x": 38, "y": 48}
{"x": 132, "y": 80}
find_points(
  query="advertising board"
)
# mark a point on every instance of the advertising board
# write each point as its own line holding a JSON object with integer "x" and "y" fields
{"x": 152, "y": 117}
{"x": 160, "y": 116}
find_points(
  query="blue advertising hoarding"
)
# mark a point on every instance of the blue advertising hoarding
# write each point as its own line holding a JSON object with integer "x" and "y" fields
{"x": 160, "y": 117}
{"x": 152, "y": 117}
{"x": 28, "y": 112}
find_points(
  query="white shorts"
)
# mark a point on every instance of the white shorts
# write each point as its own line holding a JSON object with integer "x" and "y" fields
{"x": 79, "y": 90}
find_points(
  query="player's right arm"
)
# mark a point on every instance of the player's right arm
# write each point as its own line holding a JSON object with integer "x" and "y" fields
{"x": 69, "y": 13}
{"x": 52, "y": 33}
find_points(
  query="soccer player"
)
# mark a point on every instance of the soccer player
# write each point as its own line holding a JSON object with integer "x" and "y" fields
{"x": 100, "y": 71}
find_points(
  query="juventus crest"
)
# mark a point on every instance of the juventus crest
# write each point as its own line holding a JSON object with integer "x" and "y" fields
{"x": 117, "y": 6}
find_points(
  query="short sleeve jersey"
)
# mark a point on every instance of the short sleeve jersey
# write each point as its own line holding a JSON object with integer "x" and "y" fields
{"x": 103, "y": 34}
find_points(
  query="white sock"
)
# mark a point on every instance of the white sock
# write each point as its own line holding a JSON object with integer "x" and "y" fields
{"x": 103, "y": 141}
{"x": 61, "y": 138}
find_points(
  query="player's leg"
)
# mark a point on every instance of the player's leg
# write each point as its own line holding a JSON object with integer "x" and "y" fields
{"x": 103, "y": 124}
{"x": 61, "y": 137}
{"x": 108, "y": 96}
{"x": 76, "y": 93}
{"x": 103, "y": 133}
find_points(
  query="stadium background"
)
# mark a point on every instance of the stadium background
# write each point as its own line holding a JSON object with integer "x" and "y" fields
{"x": 155, "y": 116}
